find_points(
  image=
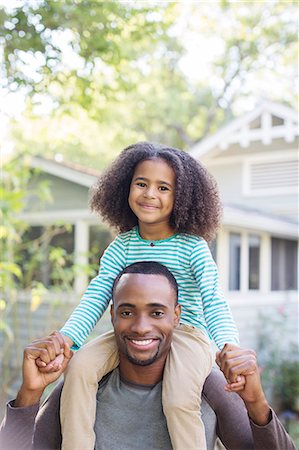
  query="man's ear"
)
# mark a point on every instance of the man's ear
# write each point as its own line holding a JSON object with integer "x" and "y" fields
{"x": 112, "y": 312}
{"x": 177, "y": 314}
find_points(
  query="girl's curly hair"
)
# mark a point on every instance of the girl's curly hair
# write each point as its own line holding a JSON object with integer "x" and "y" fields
{"x": 197, "y": 207}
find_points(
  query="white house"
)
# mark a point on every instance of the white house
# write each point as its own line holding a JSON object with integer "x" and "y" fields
{"x": 254, "y": 159}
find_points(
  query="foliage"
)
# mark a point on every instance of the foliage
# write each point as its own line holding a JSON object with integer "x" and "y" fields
{"x": 101, "y": 75}
{"x": 286, "y": 385}
{"x": 279, "y": 360}
{"x": 23, "y": 257}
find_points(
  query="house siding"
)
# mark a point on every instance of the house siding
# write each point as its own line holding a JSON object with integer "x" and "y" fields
{"x": 66, "y": 195}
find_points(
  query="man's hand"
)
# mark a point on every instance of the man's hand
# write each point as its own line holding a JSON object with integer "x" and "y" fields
{"x": 54, "y": 364}
{"x": 234, "y": 361}
{"x": 34, "y": 381}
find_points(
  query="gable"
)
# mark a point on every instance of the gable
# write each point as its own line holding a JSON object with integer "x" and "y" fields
{"x": 270, "y": 126}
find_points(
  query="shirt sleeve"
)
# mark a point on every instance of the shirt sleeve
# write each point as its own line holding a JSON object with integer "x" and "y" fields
{"x": 97, "y": 296}
{"x": 217, "y": 313}
{"x": 273, "y": 435}
{"x": 17, "y": 427}
{"x": 234, "y": 427}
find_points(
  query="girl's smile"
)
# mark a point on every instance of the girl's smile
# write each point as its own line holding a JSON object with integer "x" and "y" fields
{"x": 151, "y": 196}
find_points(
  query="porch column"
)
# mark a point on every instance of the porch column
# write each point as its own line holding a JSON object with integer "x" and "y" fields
{"x": 265, "y": 264}
{"x": 81, "y": 254}
{"x": 244, "y": 263}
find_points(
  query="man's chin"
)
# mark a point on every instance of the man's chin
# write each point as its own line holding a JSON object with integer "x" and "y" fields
{"x": 144, "y": 362}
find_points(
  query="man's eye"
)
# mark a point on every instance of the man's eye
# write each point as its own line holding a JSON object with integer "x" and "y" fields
{"x": 158, "y": 313}
{"x": 126, "y": 313}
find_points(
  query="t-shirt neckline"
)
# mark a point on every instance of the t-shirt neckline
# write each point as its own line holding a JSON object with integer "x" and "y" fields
{"x": 159, "y": 241}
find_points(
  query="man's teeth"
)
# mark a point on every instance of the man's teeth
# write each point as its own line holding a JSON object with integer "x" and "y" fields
{"x": 144, "y": 342}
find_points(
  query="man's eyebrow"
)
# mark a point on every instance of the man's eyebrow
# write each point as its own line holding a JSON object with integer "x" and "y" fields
{"x": 157, "y": 305}
{"x": 126, "y": 305}
{"x": 146, "y": 179}
{"x": 149, "y": 305}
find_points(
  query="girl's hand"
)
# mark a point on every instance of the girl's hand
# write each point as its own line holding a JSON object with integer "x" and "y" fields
{"x": 236, "y": 386}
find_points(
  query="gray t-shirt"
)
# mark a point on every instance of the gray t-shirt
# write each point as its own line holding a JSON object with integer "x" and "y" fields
{"x": 130, "y": 417}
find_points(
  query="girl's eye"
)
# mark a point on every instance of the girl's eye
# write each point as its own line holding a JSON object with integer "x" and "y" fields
{"x": 140, "y": 184}
{"x": 163, "y": 188}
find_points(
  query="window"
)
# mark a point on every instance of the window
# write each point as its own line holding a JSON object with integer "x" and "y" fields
{"x": 254, "y": 262}
{"x": 234, "y": 261}
{"x": 284, "y": 265}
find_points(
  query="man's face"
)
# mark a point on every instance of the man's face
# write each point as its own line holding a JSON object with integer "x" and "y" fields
{"x": 144, "y": 315}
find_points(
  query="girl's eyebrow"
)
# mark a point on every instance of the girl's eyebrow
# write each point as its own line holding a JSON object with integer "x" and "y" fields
{"x": 146, "y": 179}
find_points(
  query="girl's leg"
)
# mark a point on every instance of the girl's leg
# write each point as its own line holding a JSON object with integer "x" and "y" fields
{"x": 187, "y": 366}
{"x": 78, "y": 398}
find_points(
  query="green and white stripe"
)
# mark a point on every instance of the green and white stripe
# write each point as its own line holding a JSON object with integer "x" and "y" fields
{"x": 188, "y": 258}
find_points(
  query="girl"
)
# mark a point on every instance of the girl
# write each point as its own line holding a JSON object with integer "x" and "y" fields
{"x": 166, "y": 207}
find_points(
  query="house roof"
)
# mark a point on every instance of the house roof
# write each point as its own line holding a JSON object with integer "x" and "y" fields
{"x": 268, "y": 121}
{"x": 75, "y": 173}
{"x": 256, "y": 220}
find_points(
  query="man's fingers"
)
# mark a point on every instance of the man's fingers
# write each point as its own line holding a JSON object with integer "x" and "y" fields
{"x": 238, "y": 366}
{"x": 68, "y": 353}
{"x": 234, "y": 361}
{"x": 49, "y": 349}
{"x": 33, "y": 352}
{"x": 67, "y": 356}
{"x": 60, "y": 339}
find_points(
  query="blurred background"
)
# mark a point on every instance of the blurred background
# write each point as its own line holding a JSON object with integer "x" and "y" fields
{"x": 82, "y": 79}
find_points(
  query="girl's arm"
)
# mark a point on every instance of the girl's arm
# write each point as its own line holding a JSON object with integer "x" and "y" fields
{"x": 93, "y": 303}
{"x": 97, "y": 296}
{"x": 217, "y": 313}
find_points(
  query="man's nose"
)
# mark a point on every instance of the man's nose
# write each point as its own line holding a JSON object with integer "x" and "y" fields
{"x": 141, "y": 325}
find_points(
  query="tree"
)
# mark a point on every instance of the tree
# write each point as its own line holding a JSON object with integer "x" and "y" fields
{"x": 22, "y": 256}
{"x": 111, "y": 73}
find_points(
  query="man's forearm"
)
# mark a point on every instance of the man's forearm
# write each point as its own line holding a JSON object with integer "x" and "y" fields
{"x": 27, "y": 397}
{"x": 259, "y": 411}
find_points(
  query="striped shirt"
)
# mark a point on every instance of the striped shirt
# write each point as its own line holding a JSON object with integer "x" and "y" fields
{"x": 190, "y": 261}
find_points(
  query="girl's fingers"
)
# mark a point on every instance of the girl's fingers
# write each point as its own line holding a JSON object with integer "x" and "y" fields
{"x": 40, "y": 363}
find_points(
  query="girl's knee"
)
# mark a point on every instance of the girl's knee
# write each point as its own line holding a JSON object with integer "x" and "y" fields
{"x": 179, "y": 404}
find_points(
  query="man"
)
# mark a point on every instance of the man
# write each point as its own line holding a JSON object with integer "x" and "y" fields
{"x": 129, "y": 410}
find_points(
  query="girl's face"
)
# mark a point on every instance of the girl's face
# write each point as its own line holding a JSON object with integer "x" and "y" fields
{"x": 151, "y": 196}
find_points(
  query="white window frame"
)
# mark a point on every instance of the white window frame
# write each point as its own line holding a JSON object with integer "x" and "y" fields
{"x": 265, "y": 260}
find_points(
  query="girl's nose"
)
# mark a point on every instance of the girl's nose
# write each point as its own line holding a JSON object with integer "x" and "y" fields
{"x": 150, "y": 192}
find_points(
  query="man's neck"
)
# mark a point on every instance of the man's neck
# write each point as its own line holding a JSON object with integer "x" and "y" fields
{"x": 143, "y": 375}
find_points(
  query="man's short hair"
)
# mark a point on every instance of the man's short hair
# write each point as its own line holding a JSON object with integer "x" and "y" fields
{"x": 148, "y": 268}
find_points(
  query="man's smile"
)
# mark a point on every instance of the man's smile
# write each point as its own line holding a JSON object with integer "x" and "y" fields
{"x": 142, "y": 344}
